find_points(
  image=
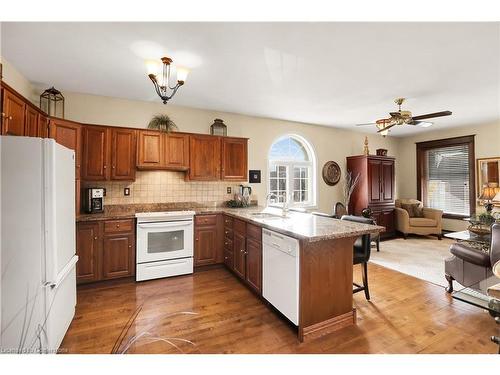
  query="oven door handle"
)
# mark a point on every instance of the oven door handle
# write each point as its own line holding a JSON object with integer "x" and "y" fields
{"x": 164, "y": 224}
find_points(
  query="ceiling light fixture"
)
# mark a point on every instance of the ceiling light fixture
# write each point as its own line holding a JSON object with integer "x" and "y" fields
{"x": 161, "y": 81}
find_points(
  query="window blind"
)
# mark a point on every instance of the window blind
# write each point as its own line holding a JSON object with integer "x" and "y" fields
{"x": 447, "y": 179}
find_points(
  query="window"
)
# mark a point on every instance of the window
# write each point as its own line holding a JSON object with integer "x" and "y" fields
{"x": 292, "y": 171}
{"x": 445, "y": 175}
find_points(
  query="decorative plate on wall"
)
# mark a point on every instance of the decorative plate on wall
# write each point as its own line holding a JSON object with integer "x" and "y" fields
{"x": 331, "y": 173}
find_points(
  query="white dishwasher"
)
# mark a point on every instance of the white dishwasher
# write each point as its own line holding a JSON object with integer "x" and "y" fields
{"x": 280, "y": 273}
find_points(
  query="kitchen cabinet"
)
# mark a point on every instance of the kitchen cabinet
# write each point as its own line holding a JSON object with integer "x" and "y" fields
{"x": 239, "y": 258}
{"x": 108, "y": 153}
{"x": 106, "y": 250}
{"x": 375, "y": 189}
{"x": 123, "y": 155}
{"x": 234, "y": 159}
{"x": 150, "y": 150}
{"x": 43, "y": 125}
{"x": 176, "y": 151}
{"x": 68, "y": 134}
{"x": 204, "y": 158}
{"x": 88, "y": 248}
{"x": 208, "y": 240}
{"x": 13, "y": 113}
{"x": 158, "y": 150}
{"x": 254, "y": 264}
{"x": 118, "y": 256}
{"x": 95, "y": 153}
{"x": 30, "y": 122}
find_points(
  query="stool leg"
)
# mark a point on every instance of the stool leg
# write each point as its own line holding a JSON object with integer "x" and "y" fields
{"x": 449, "y": 288}
{"x": 364, "y": 272}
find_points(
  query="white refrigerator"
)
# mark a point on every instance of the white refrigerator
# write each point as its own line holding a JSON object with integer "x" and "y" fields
{"x": 37, "y": 244}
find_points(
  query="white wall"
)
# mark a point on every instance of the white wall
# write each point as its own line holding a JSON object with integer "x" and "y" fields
{"x": 17, "y": 81}
{"x": 486, "y": 144}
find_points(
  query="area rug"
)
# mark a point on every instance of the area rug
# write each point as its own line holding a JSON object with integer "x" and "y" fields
{"x": 420, "y": 256}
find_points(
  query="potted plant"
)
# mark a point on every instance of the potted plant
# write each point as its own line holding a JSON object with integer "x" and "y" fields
{"x": 162, "y": 123}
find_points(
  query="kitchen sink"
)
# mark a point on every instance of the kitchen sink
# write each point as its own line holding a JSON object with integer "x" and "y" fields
{"x": 266, "y": 215}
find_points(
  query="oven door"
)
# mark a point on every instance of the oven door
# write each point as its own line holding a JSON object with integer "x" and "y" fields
{"x": 164, "y": 240}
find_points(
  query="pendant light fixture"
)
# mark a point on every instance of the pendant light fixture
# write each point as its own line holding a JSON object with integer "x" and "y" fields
{"x": 160, "y": 76}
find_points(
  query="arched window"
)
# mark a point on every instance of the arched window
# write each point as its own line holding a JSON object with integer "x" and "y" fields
{"x": 292, "y": 171}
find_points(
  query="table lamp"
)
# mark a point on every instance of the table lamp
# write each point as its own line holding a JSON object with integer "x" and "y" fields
{"x": 487, "y": 195}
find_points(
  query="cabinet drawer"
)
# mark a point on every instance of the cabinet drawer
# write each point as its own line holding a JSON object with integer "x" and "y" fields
{"x": 228, "y": 244}
{"x": 239, "y": 226}
{"x": 255, "y": 232}
{"x": 117, "y": 226}
{"x": 228, "y": 222}
{"x": 205, "y": 220}
{"x": 228, "y": 259}
{"x": 228, "y": 233}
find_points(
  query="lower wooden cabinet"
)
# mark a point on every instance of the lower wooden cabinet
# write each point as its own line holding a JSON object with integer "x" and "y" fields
{"x": 88, "y": 249}
{"x": 117, "y": 256}
{"x": 254, "y": 264}
{"x": 385, "y": 218}
{"x": 205, "y": 245}
{"x": 106, "y": 250}
{"x": 239, "y": 250}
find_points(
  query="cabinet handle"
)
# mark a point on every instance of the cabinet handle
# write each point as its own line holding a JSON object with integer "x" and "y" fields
{"x": 129, "y": 246}
{"x": 104, "y": 167}
{"x": 10, "y": 117}
{"x": 197, "y": 239}
{"x": 118, "y": 225}
{"x": 226, "y": 243}
{"x": 225, "y": 258}
{"x": 226, "y": 232}
{"x": 95, "y": 238}
{"x": 242, "y": 251}
{"x": 113, "y": 167}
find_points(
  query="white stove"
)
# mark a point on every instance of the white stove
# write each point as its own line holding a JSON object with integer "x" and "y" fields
{"x": 164, "y": 244}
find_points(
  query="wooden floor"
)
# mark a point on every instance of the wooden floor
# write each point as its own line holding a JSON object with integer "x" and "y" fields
{"x": 212, "y": 312}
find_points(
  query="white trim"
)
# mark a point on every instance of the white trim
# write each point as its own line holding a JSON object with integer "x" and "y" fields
{"x": 312, "y": 164}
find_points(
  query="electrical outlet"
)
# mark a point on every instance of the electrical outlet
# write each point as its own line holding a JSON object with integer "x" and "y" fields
{"x": 228, "y": 189}
{"x": 126, "y": 191}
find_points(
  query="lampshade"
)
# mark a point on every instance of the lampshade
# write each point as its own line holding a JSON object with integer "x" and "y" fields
{"x": 496, "y": 198}
{"x": 488, "y": 193}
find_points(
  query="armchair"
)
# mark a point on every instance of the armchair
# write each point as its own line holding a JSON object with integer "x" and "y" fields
{"x": 431, "y": 223}
{"x": 469, "y": 266}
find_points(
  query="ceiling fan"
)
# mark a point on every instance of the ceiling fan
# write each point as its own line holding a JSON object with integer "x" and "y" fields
{"x": 403, "y": 118}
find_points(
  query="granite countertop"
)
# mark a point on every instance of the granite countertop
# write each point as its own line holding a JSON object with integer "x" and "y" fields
{"x": 303, "y": 226}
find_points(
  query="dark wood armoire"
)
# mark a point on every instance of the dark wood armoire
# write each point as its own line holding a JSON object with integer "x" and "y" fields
{"x": 375, "y": 188}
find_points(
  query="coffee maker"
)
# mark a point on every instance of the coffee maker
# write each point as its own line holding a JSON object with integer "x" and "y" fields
{"x": 94, "y": 200}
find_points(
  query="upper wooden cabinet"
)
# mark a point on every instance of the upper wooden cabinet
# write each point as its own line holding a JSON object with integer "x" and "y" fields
{"x": 108, "y": 153}
{"x": 234, "y": 159}
{"x": 150, "y": 150}
{"x": 43, "y": 126}
{"x": 204, "y": 158}
{"x": 123, "y": 154}
{"x": 95, "y": 153}
{"x": 68, "y": 134}
{"x": 30, "y": 122}
{"x": 13, "y": 114}
{"x": 157, "y": 150}
{"x": 176, "y": 151}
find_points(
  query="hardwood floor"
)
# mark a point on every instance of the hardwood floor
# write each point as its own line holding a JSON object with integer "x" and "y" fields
{"x": 212, "y": 312}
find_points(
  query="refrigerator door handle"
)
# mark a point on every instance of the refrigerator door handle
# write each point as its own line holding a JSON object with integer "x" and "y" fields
{"x": 62, "y": 275}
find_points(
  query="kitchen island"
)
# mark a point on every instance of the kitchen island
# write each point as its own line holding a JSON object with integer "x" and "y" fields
{"x": 325, "y": 255}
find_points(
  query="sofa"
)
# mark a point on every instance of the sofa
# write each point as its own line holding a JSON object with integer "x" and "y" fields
{"x": 429, "y": 224}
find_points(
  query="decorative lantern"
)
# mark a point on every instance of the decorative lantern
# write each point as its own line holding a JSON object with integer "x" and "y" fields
{"x": 218, "y": 128}
{"x": 52, "y": 102}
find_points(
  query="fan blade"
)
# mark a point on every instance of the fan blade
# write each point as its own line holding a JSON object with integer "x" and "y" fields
{"x": 432, "y": 115}
{"x": 386, "y": 128}
{"x": 370, "y": 123}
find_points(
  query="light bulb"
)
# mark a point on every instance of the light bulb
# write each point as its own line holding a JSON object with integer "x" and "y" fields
{"x": 153, "y": 67}
{"x": 182, "y": 74}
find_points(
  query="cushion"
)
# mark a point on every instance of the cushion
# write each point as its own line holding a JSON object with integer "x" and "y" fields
{"x": 422, "y": 222}
{"x": 411, "y": 208}
{"x": 418, "y": 211}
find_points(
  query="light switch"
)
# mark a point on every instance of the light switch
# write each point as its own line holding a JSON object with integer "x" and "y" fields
{"x": 126, "y": 191}
{"x": 228, "y": 189}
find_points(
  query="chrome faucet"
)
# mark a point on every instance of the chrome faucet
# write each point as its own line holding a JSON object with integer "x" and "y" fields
{"x": 270, "y": 196}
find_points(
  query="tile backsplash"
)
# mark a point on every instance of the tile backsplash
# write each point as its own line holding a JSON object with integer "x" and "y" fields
{"x": 164, "y": 187}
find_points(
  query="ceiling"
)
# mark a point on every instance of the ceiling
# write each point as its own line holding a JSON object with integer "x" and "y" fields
{"x": 334, "y": 74}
